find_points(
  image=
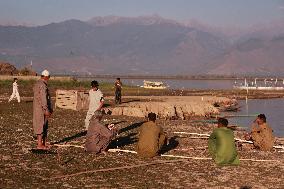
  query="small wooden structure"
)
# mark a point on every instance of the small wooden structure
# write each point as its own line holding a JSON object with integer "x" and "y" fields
{"x": 72, "y": 99}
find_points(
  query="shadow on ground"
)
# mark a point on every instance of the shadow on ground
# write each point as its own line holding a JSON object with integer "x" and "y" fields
{"x": 173, "y": 143}
{"x": 123, "y": 141}
{"x": 130, "y": 127}
{"x": 83, "y": 133}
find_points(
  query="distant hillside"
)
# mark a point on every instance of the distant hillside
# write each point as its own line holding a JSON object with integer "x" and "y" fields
{"x": 140, "y": 45}
{"x": 7, "y": 69}
{"x": 254, "y": 56}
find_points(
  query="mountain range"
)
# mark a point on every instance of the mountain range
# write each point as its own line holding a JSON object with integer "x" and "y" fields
{"x": 146, "y": 45}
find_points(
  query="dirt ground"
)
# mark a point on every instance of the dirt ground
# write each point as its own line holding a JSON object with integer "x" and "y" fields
{"x": 22, "y": 168}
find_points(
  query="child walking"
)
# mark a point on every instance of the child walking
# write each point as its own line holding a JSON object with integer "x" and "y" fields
{"x": 15, "y": 93}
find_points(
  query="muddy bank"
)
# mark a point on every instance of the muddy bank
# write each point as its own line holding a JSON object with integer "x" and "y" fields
{"x": 167, "y": 107}
{"x": 171, "y": 107}
{"x": 20, "y": 168}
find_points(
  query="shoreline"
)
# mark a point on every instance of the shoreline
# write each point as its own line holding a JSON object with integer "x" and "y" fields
{"x": 171, "y": 77}
{"x": 69, "y": 83}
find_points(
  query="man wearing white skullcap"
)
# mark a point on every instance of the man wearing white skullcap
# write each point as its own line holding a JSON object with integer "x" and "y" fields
{"x": 42, "y": 109}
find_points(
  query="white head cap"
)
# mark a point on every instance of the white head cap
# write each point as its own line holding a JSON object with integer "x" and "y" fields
{"x": 45, "y": 73}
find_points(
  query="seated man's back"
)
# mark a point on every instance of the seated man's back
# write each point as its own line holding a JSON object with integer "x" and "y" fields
{"x": 222, "y": 145}
{"x": 151, "y": 139}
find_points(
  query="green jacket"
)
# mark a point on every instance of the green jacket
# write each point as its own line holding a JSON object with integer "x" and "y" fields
{"x": 222, "y": 147}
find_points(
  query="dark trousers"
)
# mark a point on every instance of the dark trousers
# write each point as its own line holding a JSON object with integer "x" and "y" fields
{"x": 118, "y": 96}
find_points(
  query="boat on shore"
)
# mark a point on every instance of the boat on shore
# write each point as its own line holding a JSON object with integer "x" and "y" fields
{"x": 267, "y": 84}
{"x": 153, "y": 85}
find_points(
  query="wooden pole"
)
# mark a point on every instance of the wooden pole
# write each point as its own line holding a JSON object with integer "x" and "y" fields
{"x": 185, "y": 157}
{"x": 239, "y": 115}
{"x": 237, "y": 139}
{"x": 175, "y": 156}
{"x": 189, "y": 157}
{"x": 68, "y": 145}
{"x": 194, "y": 148}
{"x": 198, "y": 134}
{"x": 119, "y": 150}
{"x": 113, "y": 150}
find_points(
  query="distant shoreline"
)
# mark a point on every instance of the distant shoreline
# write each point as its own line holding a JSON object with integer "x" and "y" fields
{"x": 146, "y": 77}
{"x": 174, "y": 77}
{"x": 71, "y": 83}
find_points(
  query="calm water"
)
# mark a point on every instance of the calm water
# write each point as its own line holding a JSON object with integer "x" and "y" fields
{"x": 178, "y": 84}
{"x": 272, "y": 108}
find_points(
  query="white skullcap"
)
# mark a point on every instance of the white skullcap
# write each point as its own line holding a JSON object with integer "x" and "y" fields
{"x": 45, "y": 73}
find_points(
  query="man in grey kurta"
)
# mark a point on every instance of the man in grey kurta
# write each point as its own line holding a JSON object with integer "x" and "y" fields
{"x": 41, "y": 109}
{"x": 98, "y": 136}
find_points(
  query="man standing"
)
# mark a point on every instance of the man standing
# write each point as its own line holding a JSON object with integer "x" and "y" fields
{"x": 151, "y": 138}
{"x": 42, "y": 109}
{"x": 98, "y": 136}
{"x": 96, "y": 100}
{"x": 222, "y": 146}
{"x": 15, "y": 91}
{"x": 262, "y": 134}
{"x": 118, "y": 88}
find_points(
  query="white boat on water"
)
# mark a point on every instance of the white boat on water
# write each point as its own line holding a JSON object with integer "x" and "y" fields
{"x": 267, "y": 84}
{"x": 154, "y": 85}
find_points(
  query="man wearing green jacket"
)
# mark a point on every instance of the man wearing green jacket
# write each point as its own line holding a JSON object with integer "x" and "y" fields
{"x": 222, "y": 146}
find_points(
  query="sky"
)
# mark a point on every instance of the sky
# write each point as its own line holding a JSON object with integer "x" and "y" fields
{"x": 219, "y": 13}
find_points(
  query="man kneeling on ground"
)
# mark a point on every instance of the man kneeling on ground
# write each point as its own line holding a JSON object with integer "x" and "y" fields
{"x": 98, "y": 136}
{"x": 151, "y": 138}
{"x": 222, "y": 146}
{"x": 261, "y": 134}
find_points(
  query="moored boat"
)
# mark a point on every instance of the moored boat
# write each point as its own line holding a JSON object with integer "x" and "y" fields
{"x": 271, "y": 84}
{"x": 154, "y": 85}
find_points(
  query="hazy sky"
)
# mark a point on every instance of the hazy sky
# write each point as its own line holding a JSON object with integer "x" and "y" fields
{"x": 237, "y": 13}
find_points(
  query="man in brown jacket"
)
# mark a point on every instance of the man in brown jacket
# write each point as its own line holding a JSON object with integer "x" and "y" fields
{"x": 262, "y": 134}
{"x": 41, "y": 109}
{"x": 98, "y": 136}
{"x": 151, "y": 138}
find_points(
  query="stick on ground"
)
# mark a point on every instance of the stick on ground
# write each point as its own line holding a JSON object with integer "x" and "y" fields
{"x": 237, "y": 139}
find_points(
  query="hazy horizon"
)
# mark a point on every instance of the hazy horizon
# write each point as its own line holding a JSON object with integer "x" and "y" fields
{"x": 215, "y": 37}
{"x": 218, "y": 13}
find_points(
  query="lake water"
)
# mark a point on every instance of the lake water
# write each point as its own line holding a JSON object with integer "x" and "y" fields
{"x": 178, "y": 84}
{"x": 272, "y": 108}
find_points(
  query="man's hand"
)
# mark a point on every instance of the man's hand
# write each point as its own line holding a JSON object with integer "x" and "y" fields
{"x": 110, "y": 126}
{"x": 47, "y": 114}
{"x": 247, "y": 136}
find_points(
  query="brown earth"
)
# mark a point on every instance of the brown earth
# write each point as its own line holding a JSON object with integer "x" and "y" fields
{"x": 21, "y": 168}
{"x": 167, "y": 107}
